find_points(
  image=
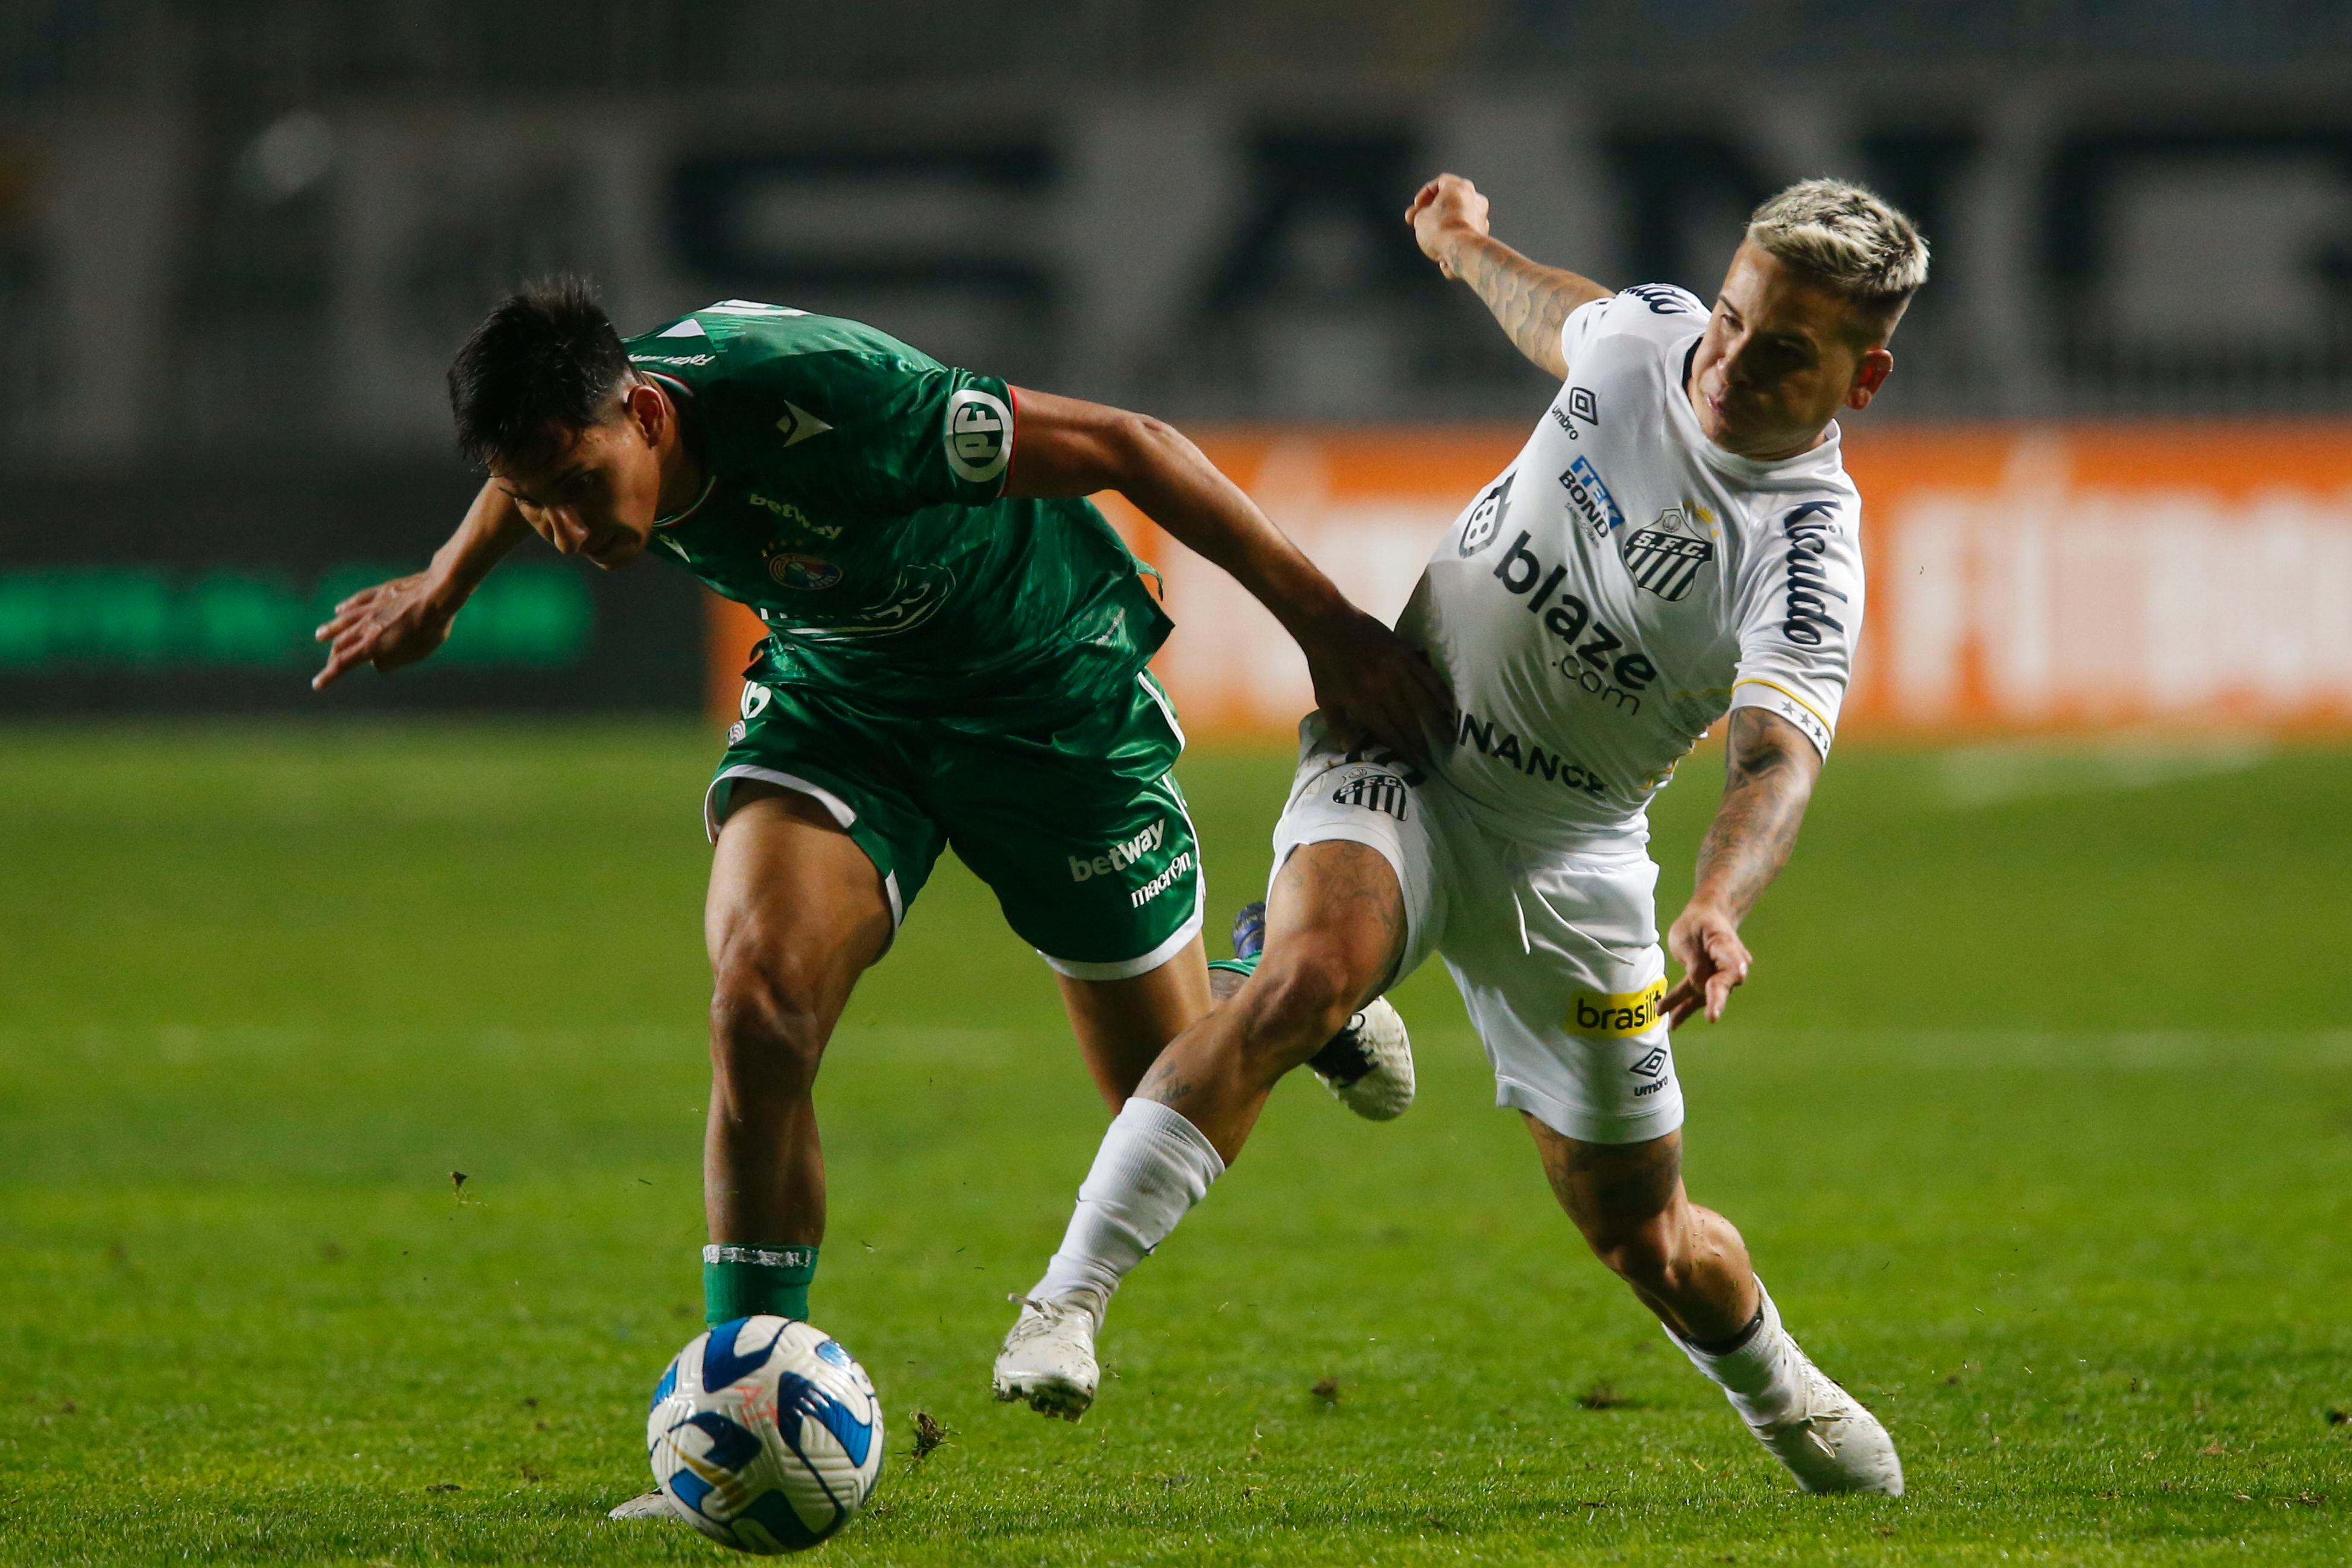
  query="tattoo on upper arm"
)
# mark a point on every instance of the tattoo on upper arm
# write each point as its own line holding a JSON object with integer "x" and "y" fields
{"x": 1527, "y": 299}
{"x": 1768, "y": 772}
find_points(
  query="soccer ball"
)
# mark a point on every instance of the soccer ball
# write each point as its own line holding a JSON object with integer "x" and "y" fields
{"x": 765, "y": 1434}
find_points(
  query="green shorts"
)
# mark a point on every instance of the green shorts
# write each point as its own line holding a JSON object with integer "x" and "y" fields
{"x": 1075, "y": 821}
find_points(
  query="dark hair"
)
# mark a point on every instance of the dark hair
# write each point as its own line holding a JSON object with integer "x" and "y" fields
{"x": 542, "y": 367}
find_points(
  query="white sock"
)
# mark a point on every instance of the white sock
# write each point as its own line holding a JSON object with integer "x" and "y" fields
{"x": 1153, "y": 1166}
{"x": 1760, "y": 1378}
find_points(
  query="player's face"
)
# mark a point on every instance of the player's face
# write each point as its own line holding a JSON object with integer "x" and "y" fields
{"x": 1778, "y": 361}
{"x": 596, "y": 495}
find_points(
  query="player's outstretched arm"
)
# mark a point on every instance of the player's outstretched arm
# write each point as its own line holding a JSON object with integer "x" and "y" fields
{"x": 1769, "y": 772}
{"x": 1449, "y": 218}
{"x": 1367, "y": 680}
{"x": 402, "y": 621}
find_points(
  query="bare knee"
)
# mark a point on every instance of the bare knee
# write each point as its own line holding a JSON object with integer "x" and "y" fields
{"x": 768, "y": 1029}
{"x": 1297, "y": 1001}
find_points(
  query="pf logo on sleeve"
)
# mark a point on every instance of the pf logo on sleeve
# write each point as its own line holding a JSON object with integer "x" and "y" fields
{"x": 1617, "y": 1014}
{"x": 978, "y": 435}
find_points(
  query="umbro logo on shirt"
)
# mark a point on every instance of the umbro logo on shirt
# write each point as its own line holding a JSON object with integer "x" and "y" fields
{"x": 1582, "y": 404}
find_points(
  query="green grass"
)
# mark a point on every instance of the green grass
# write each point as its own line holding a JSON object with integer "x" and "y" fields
{"x": 2037, "y": 1114}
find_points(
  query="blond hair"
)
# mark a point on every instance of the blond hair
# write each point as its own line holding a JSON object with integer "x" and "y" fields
{"x": 1847, "y": 239}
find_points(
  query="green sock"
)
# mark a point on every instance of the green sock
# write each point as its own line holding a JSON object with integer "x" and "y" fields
{"x": 745, "y": 1281}
{"x": 1243, "y": 966}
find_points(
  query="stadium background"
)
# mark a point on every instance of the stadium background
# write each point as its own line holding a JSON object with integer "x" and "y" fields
{"x": 236, "y": 244}
{"x": 2056, "y": 963}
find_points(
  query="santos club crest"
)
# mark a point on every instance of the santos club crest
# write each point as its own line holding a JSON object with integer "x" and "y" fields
{"x": 1664, "y": 559}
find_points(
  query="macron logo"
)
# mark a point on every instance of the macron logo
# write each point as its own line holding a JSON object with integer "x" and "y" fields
{"x": 1161, "y": 883}
{"x": 798, "y": 425}
{"x": 1121, "y": 855}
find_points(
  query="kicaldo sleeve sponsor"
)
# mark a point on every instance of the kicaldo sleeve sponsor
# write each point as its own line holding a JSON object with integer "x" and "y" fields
{"x": 1800, "y": 615}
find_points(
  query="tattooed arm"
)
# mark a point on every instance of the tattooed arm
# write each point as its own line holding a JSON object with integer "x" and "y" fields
{"x": 1768, "y": 772}
{"x": 1532, "y": 302}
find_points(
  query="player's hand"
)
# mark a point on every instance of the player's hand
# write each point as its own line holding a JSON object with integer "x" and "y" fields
{"x": 1706, "y": 942}
{"x": 387, "y": 626}
{"x": 1372, "y": 685}
{"x": 1446, "y": 208}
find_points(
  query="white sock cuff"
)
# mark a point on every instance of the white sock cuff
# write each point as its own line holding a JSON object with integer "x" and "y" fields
{"x": 1167, "y": 1128}
{"x": 1152, "y": 1167}
{"x": 1754, "y": 1367}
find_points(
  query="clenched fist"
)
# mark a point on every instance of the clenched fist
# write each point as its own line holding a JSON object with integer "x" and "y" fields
{"x": 1445, "y": 209}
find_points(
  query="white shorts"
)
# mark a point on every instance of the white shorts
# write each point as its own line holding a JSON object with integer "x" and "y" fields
{"x": 1556, "y": 954}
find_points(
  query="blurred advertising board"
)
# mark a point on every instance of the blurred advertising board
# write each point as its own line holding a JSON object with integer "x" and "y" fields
{"x": 2023, "y": 578}
{"x": 177, "y": 593}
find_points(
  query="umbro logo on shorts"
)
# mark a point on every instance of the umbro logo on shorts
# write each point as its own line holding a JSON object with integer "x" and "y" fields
{"x": 1373, "y": 792}
{"x": 1652, "y": 1063}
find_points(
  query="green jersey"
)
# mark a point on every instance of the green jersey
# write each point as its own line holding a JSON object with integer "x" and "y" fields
{"x": 855, "y": 501}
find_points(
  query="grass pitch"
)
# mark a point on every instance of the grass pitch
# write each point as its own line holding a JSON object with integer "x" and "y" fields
{"x": 2037, "y": 1115}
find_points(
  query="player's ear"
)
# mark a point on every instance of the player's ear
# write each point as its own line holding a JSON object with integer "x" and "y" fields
{"x": 1871, "y": 374}
{"x": 646, "y": 409}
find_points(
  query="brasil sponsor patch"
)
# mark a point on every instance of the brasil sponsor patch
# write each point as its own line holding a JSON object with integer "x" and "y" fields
{"x": 1617, "y": 1014}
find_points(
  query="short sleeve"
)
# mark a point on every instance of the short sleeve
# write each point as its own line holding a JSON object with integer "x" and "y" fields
{"x": 1646, "y": 307}
{"x": 887, "y": 434}
{"x": 1801, "y": 617}
{"x": 1578, "y": 331}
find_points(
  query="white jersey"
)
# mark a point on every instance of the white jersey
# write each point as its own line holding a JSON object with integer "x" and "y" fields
{"x": 1626, "y": 581}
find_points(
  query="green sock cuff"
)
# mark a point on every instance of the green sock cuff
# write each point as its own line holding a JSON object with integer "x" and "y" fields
{"x": 747, "y": 1281}
{"x": 1243, "y": 966}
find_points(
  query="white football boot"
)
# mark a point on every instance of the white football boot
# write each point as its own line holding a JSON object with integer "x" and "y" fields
{"x": 1048, "y": 1359}
{"x": 1368, "y": 1064}
{"x": 1831, "y": 1444}
{"x": 652, "y": 1505}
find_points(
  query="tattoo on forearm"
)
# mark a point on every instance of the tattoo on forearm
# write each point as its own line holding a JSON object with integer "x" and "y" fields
{"x": 1768, "y": 772}
{"x": 1528, "y": 300}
